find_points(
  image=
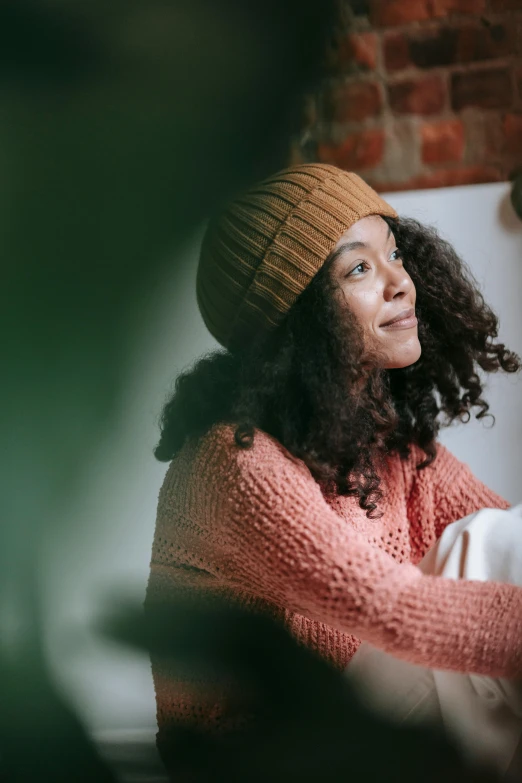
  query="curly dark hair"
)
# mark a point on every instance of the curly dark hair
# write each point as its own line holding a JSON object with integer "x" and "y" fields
{"x": 307, "y": 385}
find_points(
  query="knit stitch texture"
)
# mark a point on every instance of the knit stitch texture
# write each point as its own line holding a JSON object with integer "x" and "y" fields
{"x": 255, "y": 525}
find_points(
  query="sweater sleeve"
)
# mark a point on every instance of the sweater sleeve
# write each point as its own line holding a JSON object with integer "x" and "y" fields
{"x": 456, "y": 492}
{"x": 280, "y": 540}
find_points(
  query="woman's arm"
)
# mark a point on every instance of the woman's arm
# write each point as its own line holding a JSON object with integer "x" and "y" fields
{"x": 448, "y": 490}
{"x": 279, "y": 540}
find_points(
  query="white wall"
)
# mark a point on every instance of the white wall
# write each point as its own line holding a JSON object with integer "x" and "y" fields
{"x": 115, "y": 510}
{"x": 481, "y": 224}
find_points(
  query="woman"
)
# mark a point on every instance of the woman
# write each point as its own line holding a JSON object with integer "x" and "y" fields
{"x": 306, "y": 479}
{"x": 482, "y": 714}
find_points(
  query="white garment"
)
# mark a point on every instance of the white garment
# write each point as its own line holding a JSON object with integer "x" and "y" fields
{"x": 483, "y": 714}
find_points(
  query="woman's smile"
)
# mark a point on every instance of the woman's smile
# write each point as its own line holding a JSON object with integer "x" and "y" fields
{"x": 404, "y": 320}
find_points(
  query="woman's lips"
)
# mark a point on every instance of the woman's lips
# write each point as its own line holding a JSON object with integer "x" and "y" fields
{"x": 408, "y": 321}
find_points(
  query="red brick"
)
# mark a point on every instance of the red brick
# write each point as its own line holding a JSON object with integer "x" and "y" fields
{"x": 476, "y": 43}
{"x": 445, "y": 7}
{"x": 446, "y": 46}
{"x": 353, "y": 102}
{"x": 512, "y": 128}
{"x": 358, "y": 50}
{"x": 506, "y": 5}
{"x": 468, "y": 175}
{"x": 433, "y": 48}
{"x": 442, "y": 142}
{"x": 388, "y": 13}
{"x": 484, "y": 135}
{"x": 424, "y": 96}
{"x": 362, "y": 150}
{"x": 444, "y": 178}
{"x": 396, "y": 51}
{"x": 489, "y": 89}
{"x": 518, "y": 79}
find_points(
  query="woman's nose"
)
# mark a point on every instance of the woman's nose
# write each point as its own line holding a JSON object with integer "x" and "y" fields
{"x": 398, "y": 283}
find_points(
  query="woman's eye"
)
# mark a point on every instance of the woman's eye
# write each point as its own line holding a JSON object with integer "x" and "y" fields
{"x": 357, "y": 270}
{"x": 396, "y": 256}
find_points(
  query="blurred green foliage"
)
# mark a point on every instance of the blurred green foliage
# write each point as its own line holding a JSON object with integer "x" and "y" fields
{"x": 122, "y": 125}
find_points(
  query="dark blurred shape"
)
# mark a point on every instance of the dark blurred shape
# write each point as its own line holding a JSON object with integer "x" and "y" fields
{"x": 516, "y": 193}
{"x": 123, "y": 125}
{"x": 41, "y": 737}
{"x": 45, "y": 47}
{"x": 309, "y": 725}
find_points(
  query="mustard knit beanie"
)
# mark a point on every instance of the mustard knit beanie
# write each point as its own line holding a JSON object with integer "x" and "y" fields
{"x": 262, "y": 252}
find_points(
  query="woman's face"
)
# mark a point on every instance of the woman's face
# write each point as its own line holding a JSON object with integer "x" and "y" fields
{"x": 372, "y": 282}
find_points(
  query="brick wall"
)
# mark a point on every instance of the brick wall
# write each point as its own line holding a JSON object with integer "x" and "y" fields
{"x": 421, "y": 93}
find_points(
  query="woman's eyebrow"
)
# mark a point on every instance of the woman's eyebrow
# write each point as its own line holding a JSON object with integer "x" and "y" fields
{"x": 347, "y": 246}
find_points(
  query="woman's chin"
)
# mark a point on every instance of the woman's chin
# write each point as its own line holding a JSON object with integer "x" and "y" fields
{"x": 408, "y": 355}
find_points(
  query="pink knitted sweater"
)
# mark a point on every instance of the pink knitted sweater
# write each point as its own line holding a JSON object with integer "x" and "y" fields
{"x": 255, "y": 524}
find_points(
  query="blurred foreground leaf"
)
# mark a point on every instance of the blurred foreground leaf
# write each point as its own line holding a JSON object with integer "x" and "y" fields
{"x": 309, "y": 724}
{"x": 122, "y": 125}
